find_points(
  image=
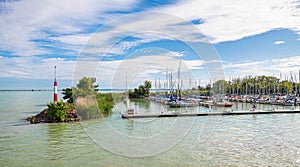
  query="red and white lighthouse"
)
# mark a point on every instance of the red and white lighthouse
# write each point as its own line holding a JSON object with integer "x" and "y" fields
{"x": 55, "y": 86}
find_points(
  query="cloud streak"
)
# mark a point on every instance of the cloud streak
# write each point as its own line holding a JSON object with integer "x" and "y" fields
{"x": 29, "y": 21}
{"x": 32, "y": 30}
{"x": 68, "y": 21}
{"x": 278, "y": 42}
{"x": 269, "y": 67}
{"x": 230, "y": 20}
{"x": 36, "y": 68}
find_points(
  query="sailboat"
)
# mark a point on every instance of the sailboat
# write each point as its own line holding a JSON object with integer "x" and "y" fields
{"x": 126, "y": 100}
{"x": 178, "y": 101}
{"x": 130, "y": 111}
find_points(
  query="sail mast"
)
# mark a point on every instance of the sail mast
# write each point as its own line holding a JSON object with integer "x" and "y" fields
{"x": 178, "y": 81}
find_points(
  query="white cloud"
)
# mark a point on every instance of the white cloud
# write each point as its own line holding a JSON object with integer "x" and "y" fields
{"x": 267, "y": 67}
{"x": 229, "y": 20}
{"x": 109, "y": 73}
{"x": 278, "y": 42}
{"x": 32, "y": 20}
{"x": 25, "y": 23}
{"x": 38, "y": 68}
{"x": 194, "y": 64}
{"x": 111, "y": 39}
{"x": 138, "y": 69}
{"x": 224, "y": 20}
{"x": 78, "y": 39}
{"x": 146, "y": 27}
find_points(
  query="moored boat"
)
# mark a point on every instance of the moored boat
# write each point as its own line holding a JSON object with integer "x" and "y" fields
{"x": 223, "y": 104}
{"x": 181, "y": 103}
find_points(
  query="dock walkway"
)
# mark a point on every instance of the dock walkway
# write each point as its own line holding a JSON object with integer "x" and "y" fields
{"x": 187, "y": 114}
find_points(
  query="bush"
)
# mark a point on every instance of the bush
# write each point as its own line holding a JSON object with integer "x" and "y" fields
{"x": 86, "y": 107}
{"x": 105, "y": 103}
{"x": 57, "y": 111}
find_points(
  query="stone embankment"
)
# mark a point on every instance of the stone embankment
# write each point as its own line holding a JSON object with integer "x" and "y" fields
{"x": 43, "y": 117}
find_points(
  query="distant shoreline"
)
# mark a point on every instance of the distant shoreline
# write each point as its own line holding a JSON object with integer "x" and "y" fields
{"x": 51, "y": 90}
{"x": 21, "y": 90}
{"x": 100, "y": 90}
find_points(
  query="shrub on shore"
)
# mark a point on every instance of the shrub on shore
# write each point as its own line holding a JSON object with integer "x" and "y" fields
{"x": 57, "y": 111}
{"x": 87, "y": 108}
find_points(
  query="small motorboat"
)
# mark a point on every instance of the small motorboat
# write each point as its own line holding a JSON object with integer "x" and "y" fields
{"x": 223, "y": 104}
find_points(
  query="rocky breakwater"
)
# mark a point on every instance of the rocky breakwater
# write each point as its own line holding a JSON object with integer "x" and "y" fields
{"x": 71, "y": 116}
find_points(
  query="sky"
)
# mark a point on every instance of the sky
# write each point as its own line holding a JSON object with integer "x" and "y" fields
{"x": 125, "y": 42}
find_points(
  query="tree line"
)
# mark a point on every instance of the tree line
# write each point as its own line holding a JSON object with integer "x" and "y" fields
{"x": 255, "y": 85}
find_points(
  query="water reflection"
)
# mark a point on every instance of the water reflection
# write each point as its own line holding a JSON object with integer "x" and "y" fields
{"x": 56, "y": 138}
{"x": 141, "y": 104}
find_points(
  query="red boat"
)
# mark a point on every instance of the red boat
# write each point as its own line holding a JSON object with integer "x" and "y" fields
{"x": 223, "y": 104}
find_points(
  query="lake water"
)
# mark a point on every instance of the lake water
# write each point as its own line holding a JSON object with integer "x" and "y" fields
{"x": 244, "y": 140}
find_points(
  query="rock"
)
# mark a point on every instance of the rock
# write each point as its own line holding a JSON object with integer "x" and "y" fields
{"x": 43, "y": 117}
{"x": 35, "y": 120}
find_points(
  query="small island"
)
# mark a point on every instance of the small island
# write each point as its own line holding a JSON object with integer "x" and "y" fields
{"x": 88, "y": 101}
{"x": 56, "y": 112}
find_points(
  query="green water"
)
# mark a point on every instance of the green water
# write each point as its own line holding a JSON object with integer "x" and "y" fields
{"x": 245, "y": 140}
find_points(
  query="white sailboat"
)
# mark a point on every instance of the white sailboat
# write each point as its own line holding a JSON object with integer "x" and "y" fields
{"x": 180, "y": 102}
{"x": 126, "y": 100}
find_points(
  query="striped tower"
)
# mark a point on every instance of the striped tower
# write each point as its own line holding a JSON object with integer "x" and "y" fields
{"x": 55, "y": 86}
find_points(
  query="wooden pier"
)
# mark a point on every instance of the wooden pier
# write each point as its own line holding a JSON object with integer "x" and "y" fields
{"x": 187, "y": 114}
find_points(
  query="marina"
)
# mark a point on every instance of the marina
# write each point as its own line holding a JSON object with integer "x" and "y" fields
{"x": 150, "y": 83}
{"x": 256, "y": 134}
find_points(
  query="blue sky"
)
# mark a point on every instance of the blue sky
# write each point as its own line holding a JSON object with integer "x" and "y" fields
{"x": 139, "y": 40}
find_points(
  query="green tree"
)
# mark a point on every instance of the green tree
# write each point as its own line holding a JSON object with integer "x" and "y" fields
{"x": 86, "y": 86}
{"x": 220, "y": 87}
{"x": 68, "y": 95}
{"x": 208, "y": 88}
{"x": 141, "y": 91}
{"x": 147, "y": 85}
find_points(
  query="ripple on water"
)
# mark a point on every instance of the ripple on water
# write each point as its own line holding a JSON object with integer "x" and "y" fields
{"x": 248, "y": 140}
